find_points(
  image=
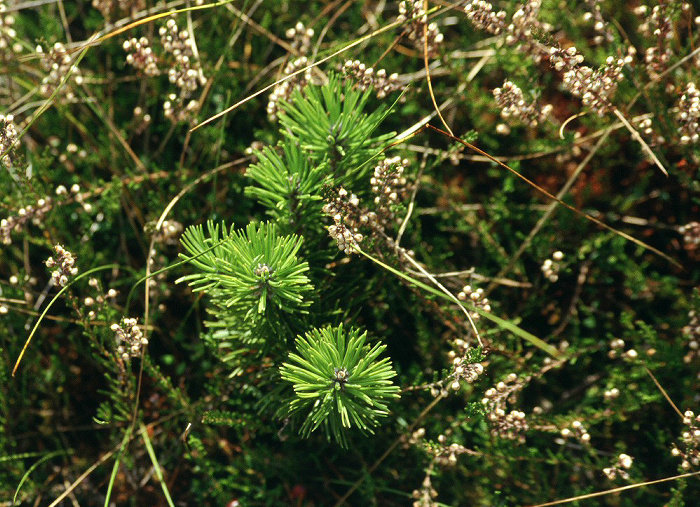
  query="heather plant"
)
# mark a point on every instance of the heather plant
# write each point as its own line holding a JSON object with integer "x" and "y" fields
{"x": 341, "y": 253}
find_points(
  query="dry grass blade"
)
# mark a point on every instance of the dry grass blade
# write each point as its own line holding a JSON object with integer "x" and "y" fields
{"x": 150, "y": 18}
{"x": 427, "y": 70}
{"x": 641, "y": 141}
{"x": 447, "y": 293}
{"x": 83, "y": 48}
{"x": 550, "y": 209}
{"x": 663, "y": 391}
{"x": 614, "y": 490}
{"x": 83, "y": 476}
{"x": 303, "y": 69}
{"x": 554, "y": 198}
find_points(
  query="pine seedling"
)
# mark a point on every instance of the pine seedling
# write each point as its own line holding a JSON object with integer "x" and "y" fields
{"x": 339, "y": 382}
{"x": 249, "y": 270}
{"x": 329, "y": 123}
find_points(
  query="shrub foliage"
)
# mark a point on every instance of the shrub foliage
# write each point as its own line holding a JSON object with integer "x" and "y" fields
{"x": 464, "y": 269}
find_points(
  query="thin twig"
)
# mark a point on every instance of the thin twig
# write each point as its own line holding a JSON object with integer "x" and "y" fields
{"x": 551, "y": 209}
{"x": 329, "y": 24}
{"x": 476, "y": 276}
{"x": 559, "y": 201}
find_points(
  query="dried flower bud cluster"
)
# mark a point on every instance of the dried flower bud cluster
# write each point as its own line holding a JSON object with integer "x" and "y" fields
{"x": 141, "y": 120}
{"x": 482, "y": 15}
{"x": 185, "y": 72}
{"x": 414, "y": 12}
{"x": 389, "y": 187}
{"x": 415, "y": 438}
{"x": 347, "y": 217}
{"x": 300, "y": 37}
{"x": 173, "y": 40}
{"x": 691, "y": 332}
{"x": 110, "y": 7}
{"x": 468, "y": 372}
{"x": 74, "y": 189}
{"x": 564, "y": 60}
{"x": 169, "y": 232}
{"x": 603, "y": 33}
{"x": 463, "y": 368}
{"x": 426, "y": 495}
{"x": 178, "y": 110}
{"x": 99, "y": 299}
{"x": 576, "y": 430}
{"x": 551, "y": 267}
{"x": 690, "y": 454}
{"x": 33, "y": 213}
{"x": 616, "y": 346}
{"x": 57, "y": 62}
{"x": 283, "y": 91}
{"x": 28, "y": 284}
{"x": 444, "y": 454}
{"x": 157, "y": 283}
{"x": 129, "y": 338}
{"x": 689, "y": 115}
{"x": 367, "y": 78}
{"x": 64, "y": 262}
{"x": 512, "y": 103}
{"x": 657, "y": 24}
{"x": 477, "y": 298}
{"x": 619, "y": 469}
{"x": 596, "y": 87}
{"x": 644, "y": 128}
{"x": 509, "y": 425}
{"x": 524, "y": 22}
{"x": 441, "y": 453}
{"x": 611, "y": 394}
{"x": 8, "y": 138}
{"x": 8, "y": 45}
{"x": 141, "y": 56}
{"x": 520, "y": 29}
{"x": 691, "y": 233}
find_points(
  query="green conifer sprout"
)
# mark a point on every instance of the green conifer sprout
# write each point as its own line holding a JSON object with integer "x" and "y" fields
{"x": 330, "y": 125}
{"x": 249, "y": 269}
{"x": 339, "y": 382}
